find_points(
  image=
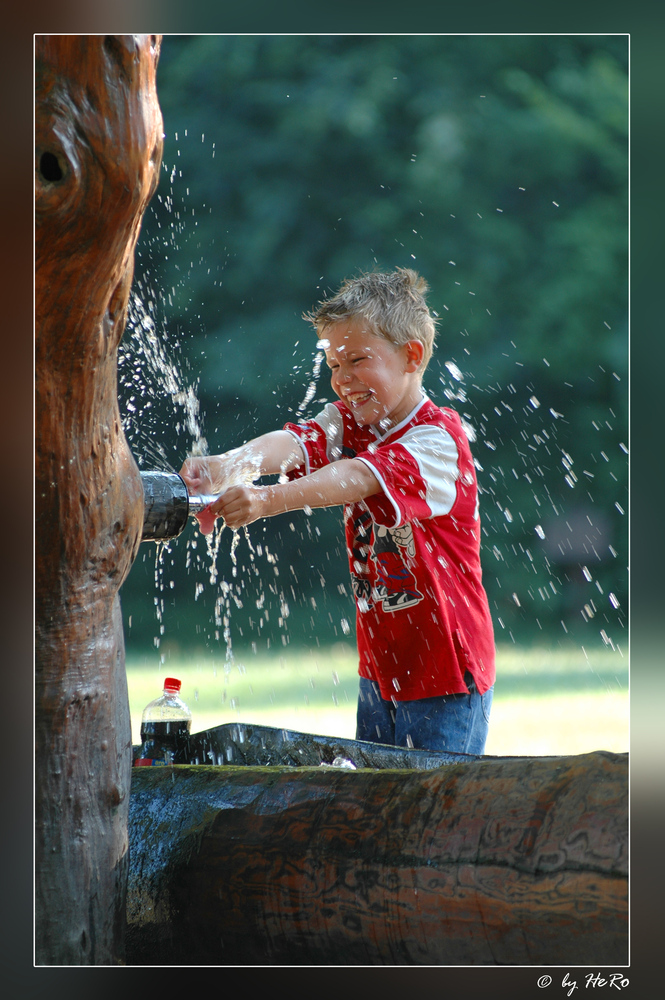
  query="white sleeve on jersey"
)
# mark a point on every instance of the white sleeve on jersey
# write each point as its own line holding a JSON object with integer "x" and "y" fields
{"x": 435, "y": 453}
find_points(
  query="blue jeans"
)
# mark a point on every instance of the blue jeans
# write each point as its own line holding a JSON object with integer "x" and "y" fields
{"x": 456, "y": 723}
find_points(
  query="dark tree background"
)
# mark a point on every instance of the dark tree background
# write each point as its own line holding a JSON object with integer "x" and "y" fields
{"x": 497, "y": 166}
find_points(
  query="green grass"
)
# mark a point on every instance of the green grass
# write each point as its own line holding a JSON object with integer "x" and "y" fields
{"x": 545, "y": 701}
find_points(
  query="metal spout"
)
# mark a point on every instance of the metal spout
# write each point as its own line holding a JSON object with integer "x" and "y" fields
{"x": 167, "y": 505}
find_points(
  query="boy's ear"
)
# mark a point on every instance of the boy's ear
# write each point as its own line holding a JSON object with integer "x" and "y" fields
{"x": 415, "y": 353}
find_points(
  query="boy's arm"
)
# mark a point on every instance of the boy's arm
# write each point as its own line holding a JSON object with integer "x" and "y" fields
{"x": 269, "y": 454}
{"x": 346, "y": 481}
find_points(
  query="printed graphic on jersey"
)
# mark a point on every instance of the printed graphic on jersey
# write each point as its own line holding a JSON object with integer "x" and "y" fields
{"x": 383, "y": 554}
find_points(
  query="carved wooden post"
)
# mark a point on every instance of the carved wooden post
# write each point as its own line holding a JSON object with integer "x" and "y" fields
{"x": 98, "y": 153}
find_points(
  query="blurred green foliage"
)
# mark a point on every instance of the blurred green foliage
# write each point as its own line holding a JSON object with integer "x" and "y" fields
{"x": 497, "y": 166}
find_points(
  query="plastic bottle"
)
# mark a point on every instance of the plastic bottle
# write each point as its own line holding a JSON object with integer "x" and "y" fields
{"x": 165, "y": 726}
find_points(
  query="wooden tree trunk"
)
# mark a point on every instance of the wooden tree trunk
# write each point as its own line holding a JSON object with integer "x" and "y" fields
{"x": 516, "y": 861}
{"x": 98, "y": 152}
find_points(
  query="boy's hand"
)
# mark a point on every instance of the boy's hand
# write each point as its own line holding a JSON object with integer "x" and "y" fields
{"x": 201, "y": 473}
{"x": 240, "y": 505}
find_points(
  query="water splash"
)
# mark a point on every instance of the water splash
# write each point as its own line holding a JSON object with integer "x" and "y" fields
{"x": 148, "y": 368}
{"x": 505, "y": 416}
{"x": 316, "y": 371}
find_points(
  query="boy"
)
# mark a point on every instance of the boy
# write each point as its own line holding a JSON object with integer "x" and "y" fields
{"x": 403, "y": 469}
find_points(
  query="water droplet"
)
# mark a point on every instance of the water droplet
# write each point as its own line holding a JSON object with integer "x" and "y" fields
{"x": 454, "y": 371}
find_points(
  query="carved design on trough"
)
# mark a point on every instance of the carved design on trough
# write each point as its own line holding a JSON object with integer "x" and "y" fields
{"x": 494, "y": 861}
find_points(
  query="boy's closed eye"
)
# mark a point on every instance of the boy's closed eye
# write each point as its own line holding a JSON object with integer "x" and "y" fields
{"x": 350, "y": 361}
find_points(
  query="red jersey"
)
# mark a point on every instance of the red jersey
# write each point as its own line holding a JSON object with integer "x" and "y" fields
{"x": 422, "y": 614}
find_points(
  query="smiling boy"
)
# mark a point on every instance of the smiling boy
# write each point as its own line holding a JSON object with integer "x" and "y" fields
{"x": 403, "y": 470}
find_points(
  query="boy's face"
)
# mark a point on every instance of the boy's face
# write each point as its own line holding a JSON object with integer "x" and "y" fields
{"x": 378, "y": 380}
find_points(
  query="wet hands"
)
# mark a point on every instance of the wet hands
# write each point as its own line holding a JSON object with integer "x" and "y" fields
{"x": 214, "y": 474}
{"x": 232, "y": 475}
{"x": 239, "y": 505}
{"x": 203, "y": 474}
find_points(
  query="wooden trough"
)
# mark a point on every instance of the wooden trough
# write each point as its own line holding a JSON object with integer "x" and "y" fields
{"x": 465, "y": 861}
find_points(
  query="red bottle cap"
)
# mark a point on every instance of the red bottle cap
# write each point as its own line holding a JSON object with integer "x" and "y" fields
{"x": 172, "y": 684}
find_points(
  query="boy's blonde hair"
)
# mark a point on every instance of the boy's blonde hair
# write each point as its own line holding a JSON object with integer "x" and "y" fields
{"x": 392, "y": 304}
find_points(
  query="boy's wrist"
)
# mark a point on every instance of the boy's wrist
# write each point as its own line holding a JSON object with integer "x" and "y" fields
{"x": 276, "y": 499}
